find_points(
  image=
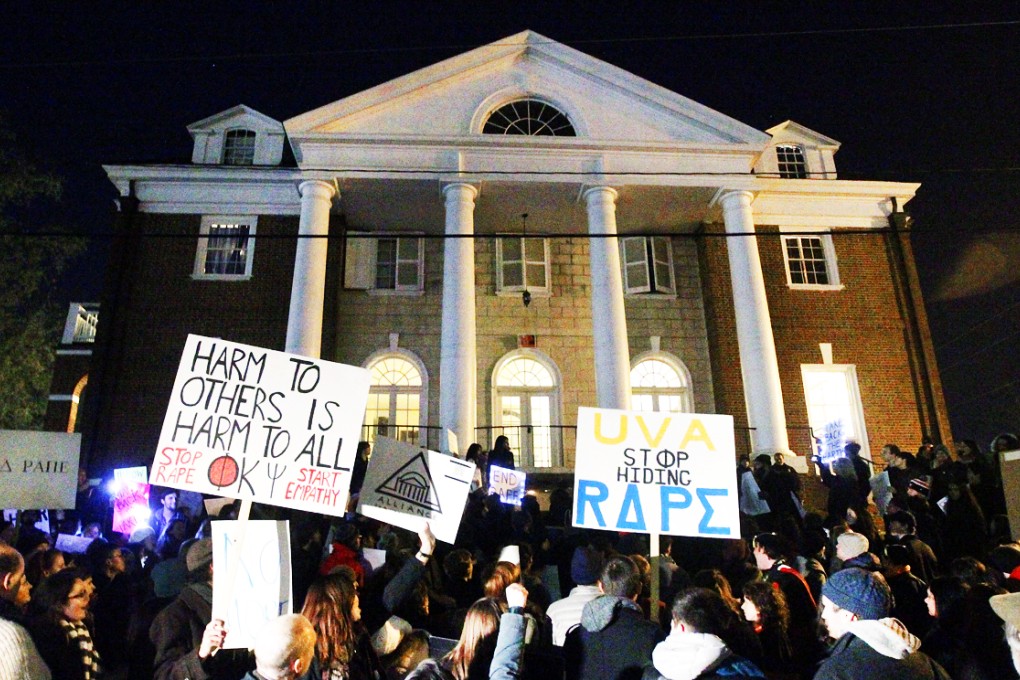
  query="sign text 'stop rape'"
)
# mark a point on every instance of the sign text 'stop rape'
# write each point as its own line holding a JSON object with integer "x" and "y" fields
{"x": 252, "y": 423}
{"x": 661, "y": 473}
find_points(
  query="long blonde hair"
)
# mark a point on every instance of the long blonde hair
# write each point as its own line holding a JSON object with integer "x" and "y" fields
{"x": 477, "y": 641}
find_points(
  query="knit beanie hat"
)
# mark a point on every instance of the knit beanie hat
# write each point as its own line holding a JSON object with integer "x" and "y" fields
{"x": 861, "y": 592}
{"x": 199, "y": 555}
{"x": 586, "y": 566}
{"x": 851, "y": 544}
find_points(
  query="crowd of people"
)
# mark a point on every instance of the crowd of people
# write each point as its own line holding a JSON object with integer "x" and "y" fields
{"x": 911, "y": 577}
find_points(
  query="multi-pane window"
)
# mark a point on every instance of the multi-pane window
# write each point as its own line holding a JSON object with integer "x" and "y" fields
{"x": 657, "y": 385}
{"x": 398, "y": 264}
{"x": 395, "y": 399}
{"x": 239, "y": 147}
{"x": 807, "y": 261}
{"x": 791, "y": 161}
{"x": 526, "y": 408}
{"x": 647, "y": 265}
{"x": 522, "y": 264}
{"x": 528, "y": 117}
{"x": 225, "y": 248}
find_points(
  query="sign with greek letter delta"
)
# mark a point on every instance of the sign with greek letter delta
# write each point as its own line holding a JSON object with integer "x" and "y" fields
{"x": 38, "y": 469}
{"x": 257, "y": 424}
{"x": 406, "y": 486}
{"x": 663, "y": 473}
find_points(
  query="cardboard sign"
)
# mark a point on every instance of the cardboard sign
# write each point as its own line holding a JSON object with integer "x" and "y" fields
{"x": 509, "y": 484}
{"x": 1009, "y": 468}
{"x": 261, "y": 425}
{"x": 661, "y": 473}
{"x": 261, "y": 590}
{"x": 406, "y": 486}
{"x": 38, "y": 469}
{"x": 73, "y": 544}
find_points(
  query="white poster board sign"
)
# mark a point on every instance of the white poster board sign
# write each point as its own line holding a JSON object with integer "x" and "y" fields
{"x": 262, "y": 589}
{"x": 38, "y": 469}
{"x": 261, "y": 425}
{"x": 660, "y": 473}
{"x": 406, "y": 486}
{"x": 509, "y": 484}
{"x": 1009, "y": 468}
{"x": 73, "y": 544}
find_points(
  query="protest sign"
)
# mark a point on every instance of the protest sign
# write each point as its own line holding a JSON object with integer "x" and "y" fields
{"x": 406, "y": 486}
{"x": 38, "y": 469}
{"x": 261, "y": 589}
{"x": 657, "y": 473}
{"x": 509, "y": 484}
{"x": 73, "y": 544}
{"x": 261, "y": 425}
{"x": 131, "y": 506}
{"x": 1009, "y": 468}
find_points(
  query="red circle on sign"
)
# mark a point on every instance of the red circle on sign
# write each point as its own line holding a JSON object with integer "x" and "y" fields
{"x": 223, "y": 471}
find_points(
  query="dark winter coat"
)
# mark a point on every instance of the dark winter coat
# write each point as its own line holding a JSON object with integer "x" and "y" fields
{"x": 613, "y": 642}
{"x": 879, "y": 650}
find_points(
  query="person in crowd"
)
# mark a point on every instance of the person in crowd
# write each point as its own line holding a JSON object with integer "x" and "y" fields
{"x": 1004, "y": 566}
{"x": 947, "y": 606}
{"x": 614, "y": 640}
{"x": 43, "y": 563}
{"x": 501, "y": 455}
{"x": 480, "y": 480}
{"x": 162, "y": 515}
{"x": 186, "y": 636}
{"x": 862, "y": 470}
{"x": 943, "y": 471}
{"x": 699, "y": 644}
{"x": 901, "y": 527}
{"x": 852, "y": 551}
{"x": 909, "y": 592}
{"x": 869, "y": 644}
{"x": 771, "y": 554}
{"x": 283, "y": 649}
{"x": 713, "y": 579}
{"x": 175, "y": 532}
{"x": 113, "y": 602}
{"x": 765, "y": 608}
{"x": 477, "y": 654}
{"x": 902, "y": 467}
{"x": 964, "y": 532}
{"x": 19, "y": 657}
{"x": 344, "y": 648}
{"x": 1007, "y": 608}
{"x": 812, "y": 560}
{"x": 30, "y": 537}
{"x": 358, "y": 474}
{"x": 585, "y": 569}
{"x": 346, "y": 551}
{"x": 672, "y": 577}
{"x": 459, "y": 579}
{"x": 841, "y": 478}
{"x": 59, "y": 628}
{"x": 778, "y": 489}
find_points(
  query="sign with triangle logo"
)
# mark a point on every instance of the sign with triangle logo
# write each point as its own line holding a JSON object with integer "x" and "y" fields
{"x": 412, "y": 483}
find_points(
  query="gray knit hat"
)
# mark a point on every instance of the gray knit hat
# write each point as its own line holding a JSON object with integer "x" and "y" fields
{"x": 199, "y": 555}
{"x": 861, "y": 592}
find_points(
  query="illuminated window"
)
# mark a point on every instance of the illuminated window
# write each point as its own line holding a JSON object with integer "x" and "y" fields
{"x": 835, "y": 412}
{"x": 225, "y": 248}
{"x": 660, "y": 383}
{"x": 791, "y": 162}
{"x": 239, "y": 147}
{"x": 396, "y": 397}
{"x": 530, "y": 117}
{"x": 526, "y": 408}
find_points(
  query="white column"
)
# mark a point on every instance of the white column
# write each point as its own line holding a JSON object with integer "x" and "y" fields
{"x": 758, "y": 362}
{"x": 458, "y": 356}
{"x": 608, "y": 318}
{"x": 308, "y": 290}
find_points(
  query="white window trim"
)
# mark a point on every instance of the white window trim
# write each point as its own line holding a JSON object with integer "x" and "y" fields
{"x": 649, "y": 264}
{"x": 674, "y": 362}
{"x": 203, "y": 244}
{"x": 423, "y": 404}
{"x": 850, "y": 372}
{"x": 556, "y": 405}
{"x": 366, "y": 246}
{"x": 254, "y": 146}
{"x": 803, "y": 157}
{"x": 831, "y": 265}
{"x": 537, "y": 291}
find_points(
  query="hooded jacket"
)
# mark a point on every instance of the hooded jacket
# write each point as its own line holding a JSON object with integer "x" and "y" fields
{"x": 691, "y": 656}
{"x": 613, "y": 642}
{"x": 878, "y": 650}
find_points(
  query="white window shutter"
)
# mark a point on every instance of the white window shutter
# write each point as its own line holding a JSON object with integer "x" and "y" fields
{"x": 359, "y": 263}
{"x": 634, "y": 258}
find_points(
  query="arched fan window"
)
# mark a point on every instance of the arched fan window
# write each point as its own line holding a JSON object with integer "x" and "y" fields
{"x": 528, "y": 117}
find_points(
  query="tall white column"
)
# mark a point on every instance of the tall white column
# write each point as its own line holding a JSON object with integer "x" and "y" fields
{"x": 608, "y": 318}
{"x": 758, "y": 362}
{"x": 308, "y": 290}
{"x": 458, "y": 355}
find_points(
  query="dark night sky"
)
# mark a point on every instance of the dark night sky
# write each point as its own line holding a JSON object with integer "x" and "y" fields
{"x": 914, "y": 91}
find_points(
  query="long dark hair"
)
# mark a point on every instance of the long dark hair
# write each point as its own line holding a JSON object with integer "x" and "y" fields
{"x": 50, "y": 597}
{"x": 477, "y": 641}
{"x": 328, "y": 606}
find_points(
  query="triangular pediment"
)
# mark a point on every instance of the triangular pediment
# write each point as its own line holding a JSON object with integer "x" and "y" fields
{"x": 793, "y": 132}
{"x": 237, "y": 116}
{"x": 454, "y": 97}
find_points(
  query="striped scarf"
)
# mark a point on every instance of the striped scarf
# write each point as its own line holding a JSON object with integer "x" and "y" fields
{"x": 78, "y": 633}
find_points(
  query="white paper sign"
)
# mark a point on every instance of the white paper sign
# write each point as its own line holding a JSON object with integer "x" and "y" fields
{"x": 509, "y": 484}
{"x": 38, "y": 469}
{"x": 751, "y": 502}
{"x": 665, "y": 473}
{"x": 406, "y": 486}
{"x": 252, "y": 423}
{"x": 73, "y": 544}
{"x": 262, "y": 590}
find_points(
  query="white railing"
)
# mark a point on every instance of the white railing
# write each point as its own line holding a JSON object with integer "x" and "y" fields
{"x": 81, "y": 324}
